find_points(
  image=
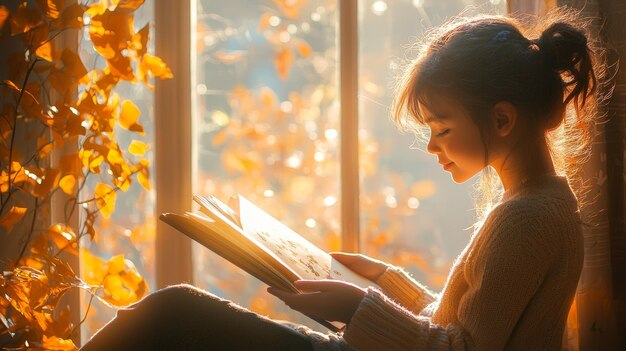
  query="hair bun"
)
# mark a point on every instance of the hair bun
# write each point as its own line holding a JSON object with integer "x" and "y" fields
{"x": 565, "y": 50}
{"x": 563, "y": 46}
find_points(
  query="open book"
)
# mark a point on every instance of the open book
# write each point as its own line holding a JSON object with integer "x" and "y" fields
{"x": 261, "y": 245}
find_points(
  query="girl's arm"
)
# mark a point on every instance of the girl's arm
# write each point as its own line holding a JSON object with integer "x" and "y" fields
{"x": 398, "y": 285}
{"x": 512, "y": 265}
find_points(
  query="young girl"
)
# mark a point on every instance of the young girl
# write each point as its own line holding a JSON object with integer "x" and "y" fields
{"x": 489, "y": 95}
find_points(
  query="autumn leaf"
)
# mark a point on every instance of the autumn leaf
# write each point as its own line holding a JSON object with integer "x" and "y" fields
{"x": 129, "y": 117}
{"x": 51, "y": 8}
{"x": 304, "y": 49}
{"x": 4, "y": 14}
{"x": 9, "y": 219}
{"x": 138, "y": 148}
{"x": 72, "y": 16}
{"x": 140, "y": 40}
{"x": 25, "y": 18}
{"x": 64, "y": 238}
{"x": 68, "y": 184}
{"x": 129, "y": 4}
{"x": 290, "y": 8}
{"x": 105, "y": 199}
{"x": 45, "y": 51}
{"x": 72, "y": 64}
{"x": 57, "y": 344}
{"x": 283, "y": 61}
{"x": 143, "y": 177}
{"x": 153, "y": 65}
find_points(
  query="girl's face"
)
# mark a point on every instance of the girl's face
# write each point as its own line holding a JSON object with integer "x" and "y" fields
{"x": 454, "y": 138}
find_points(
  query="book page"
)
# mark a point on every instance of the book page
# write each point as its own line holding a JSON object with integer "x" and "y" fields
{"x": 305, "y": 259}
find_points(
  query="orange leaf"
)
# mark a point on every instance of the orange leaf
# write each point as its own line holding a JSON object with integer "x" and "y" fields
{"x": 64, "y": 238}
{"x": 57, "y": 344}
{"x": 67, "y": 184}
{"x": 47, "y": 182}
{"x": 283, "y": 61}
{"x": 138, "y": 148}
{"x": 25, "y": 18}
{"x": 51, "y": 8}
{"x": 71, "y": 164}
{"x": 72, "y": 16}
{"x": 44, "y": 147}
{"x": 4, "y": 13}
{"x": 13, "y": 216}
{"x": 140, "y": 40}
{"x": 130, "y": 4}
{"x": 73, "y": 64}
{"x": 304, "y": 49}
{"x": 105, "y": 199}
{"x": 264, "y": 22}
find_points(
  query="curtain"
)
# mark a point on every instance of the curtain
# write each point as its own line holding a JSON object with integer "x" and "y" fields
{"x": 597, "y": 319}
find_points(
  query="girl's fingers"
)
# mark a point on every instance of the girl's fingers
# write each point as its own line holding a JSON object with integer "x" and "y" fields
{"x": 318, "y": 285}
{"x": 345, "y": 258}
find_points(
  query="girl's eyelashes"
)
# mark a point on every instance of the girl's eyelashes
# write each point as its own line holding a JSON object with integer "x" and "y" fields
{"x": 443, "y": 133}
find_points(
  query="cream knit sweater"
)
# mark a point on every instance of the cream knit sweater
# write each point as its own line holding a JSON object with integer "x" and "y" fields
{"x": 510, "y": 288}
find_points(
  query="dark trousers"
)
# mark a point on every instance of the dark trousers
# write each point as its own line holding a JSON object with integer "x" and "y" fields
{"x": 183, "y": 317}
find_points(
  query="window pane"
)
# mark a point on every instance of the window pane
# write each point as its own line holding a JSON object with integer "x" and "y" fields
{"x": 412, "y": 213}
{"x": 266, "y": 120}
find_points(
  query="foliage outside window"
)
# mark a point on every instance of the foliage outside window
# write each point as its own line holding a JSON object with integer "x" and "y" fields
{"x": 60, "y": 128}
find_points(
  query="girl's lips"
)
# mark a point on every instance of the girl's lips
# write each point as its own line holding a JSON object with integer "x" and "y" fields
{"x": 448, "y": 165}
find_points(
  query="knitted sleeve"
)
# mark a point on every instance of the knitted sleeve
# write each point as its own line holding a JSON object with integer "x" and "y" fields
{"x": 398, "y": 285}
{"x": 508, "y": 268}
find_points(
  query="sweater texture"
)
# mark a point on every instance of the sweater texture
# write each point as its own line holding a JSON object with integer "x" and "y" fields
{"x": 509, "y": 289}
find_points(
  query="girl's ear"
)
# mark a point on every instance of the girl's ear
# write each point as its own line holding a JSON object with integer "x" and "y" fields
{"x": 504, "y": 118}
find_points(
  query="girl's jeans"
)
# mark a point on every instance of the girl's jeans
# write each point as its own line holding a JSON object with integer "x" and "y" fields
{"x": 183, "y": 317}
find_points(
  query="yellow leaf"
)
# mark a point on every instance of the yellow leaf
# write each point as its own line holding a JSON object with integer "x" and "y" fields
{"x": 138, "y": 148}
{"x": 67, "y": 184}
{"x": 143, "y": 178}
{"x": 93, "y": 269}
{"x": 13, "y": 216}
{"x": 116, "y": 264}
{"x": 94, "y": 165}
{"x": 105, "y": 199}
{"x": 156, "y": 66}
{"x": 114, "y": 157}
{"x": 129, "y": 116}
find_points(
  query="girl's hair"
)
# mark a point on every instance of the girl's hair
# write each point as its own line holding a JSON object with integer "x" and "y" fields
{"x": 549, "y": 71}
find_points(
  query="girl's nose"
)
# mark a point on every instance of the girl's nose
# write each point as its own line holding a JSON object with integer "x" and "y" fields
{"x": 432, "y": 146}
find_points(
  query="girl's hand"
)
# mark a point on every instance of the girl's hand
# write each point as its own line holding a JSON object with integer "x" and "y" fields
{"x": 362, "y": 265}
{"x": 331, "y": 300}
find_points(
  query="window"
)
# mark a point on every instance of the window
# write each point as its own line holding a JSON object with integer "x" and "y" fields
{"x": 262, "y": 89}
